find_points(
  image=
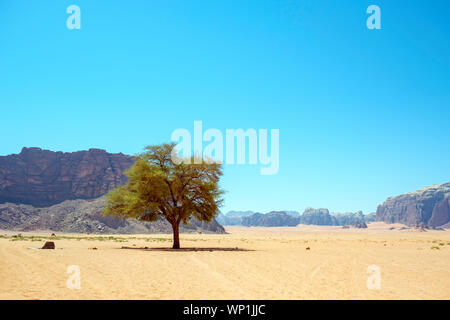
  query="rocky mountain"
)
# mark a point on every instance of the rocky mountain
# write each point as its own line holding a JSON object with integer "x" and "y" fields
{"x": 292, "y": 213}
{"x": 429, "y": 206}
{"x": 310, "y": 216}
{"x": 85, "y": 216}
{"x": 319, "y": 217}
{"x": 235, "y": 218}
{"x": 239, "y": 213}
{"x": 46, "y": 190}
{"x": 271, "y": 219}
{"x": 232, "y": 218}
{"x": 43, "y": 178}
{"x": 359, "y": 225}
{"x": 353, "y": 218}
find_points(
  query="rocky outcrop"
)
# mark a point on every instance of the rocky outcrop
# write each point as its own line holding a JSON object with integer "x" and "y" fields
{"x": 323, "y": 217}
{"x": 351, "y": 218}
{"x": 49, "y": 245}
{"x": 319, "y": 217}
{"x": 271, "y": 219}
{"x": 441, "y": 212}
{"x": 86, "y": 216}
{"x": 233, "y": 218}
{"x": 310, "y": 216}
{"x": 359, "y": 225}
{"x": 43, "y": 178}
{"x": 429, "y": 206}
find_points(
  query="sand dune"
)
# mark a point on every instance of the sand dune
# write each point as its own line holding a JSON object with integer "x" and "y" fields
{"x": 276, "y": 265}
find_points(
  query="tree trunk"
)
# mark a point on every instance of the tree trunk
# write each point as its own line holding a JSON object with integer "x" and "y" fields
{"x": 176, "y": 235}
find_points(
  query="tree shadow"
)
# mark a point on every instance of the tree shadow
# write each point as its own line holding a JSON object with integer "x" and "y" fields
{"x": 187, "y": 249}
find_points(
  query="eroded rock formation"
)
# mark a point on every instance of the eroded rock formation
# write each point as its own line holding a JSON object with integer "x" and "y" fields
{"x": 429, "y": 206}
{"x": 43, "y": 178}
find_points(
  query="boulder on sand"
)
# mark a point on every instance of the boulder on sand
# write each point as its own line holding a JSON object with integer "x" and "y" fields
{"x": 360, "y": 225}
{"x": 49, "y": 245}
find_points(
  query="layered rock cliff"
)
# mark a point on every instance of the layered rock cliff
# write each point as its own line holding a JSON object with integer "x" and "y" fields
{"x": 43, "y": 178}
{"x": 429, "y": 206}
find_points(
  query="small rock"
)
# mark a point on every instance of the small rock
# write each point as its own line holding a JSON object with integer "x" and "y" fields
{"x": 360, "y": 225}
{"x": 308, "y": 248}
{"x": 49, "y": 245}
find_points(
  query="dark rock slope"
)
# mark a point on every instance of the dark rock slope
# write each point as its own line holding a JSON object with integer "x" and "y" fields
{"x": 85, "y": 216}
{"x": 429, "y": 206}
{"x": 43, "y": 178}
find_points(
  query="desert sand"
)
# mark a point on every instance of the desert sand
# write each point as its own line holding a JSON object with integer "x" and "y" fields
{"x": 274, "y": 265}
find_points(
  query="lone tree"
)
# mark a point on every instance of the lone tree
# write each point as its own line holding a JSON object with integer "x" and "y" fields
{"x": 160, "y": 187}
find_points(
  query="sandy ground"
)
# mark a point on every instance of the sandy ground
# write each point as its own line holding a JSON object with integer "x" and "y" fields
{"x": 412, "y": 264}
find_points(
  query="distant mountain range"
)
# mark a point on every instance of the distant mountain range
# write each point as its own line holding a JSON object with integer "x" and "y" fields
{"x": 233, "y": 218}
{"x": 293, "y": 218}
{"x": 428, "y": 207}
{"x": 271, "y": 219}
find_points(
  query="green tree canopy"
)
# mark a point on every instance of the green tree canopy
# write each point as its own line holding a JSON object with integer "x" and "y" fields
{"x": 158, "y": 186}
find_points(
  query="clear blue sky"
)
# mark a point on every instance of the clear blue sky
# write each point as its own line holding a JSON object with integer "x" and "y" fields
{"x": 363, "y": 114}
